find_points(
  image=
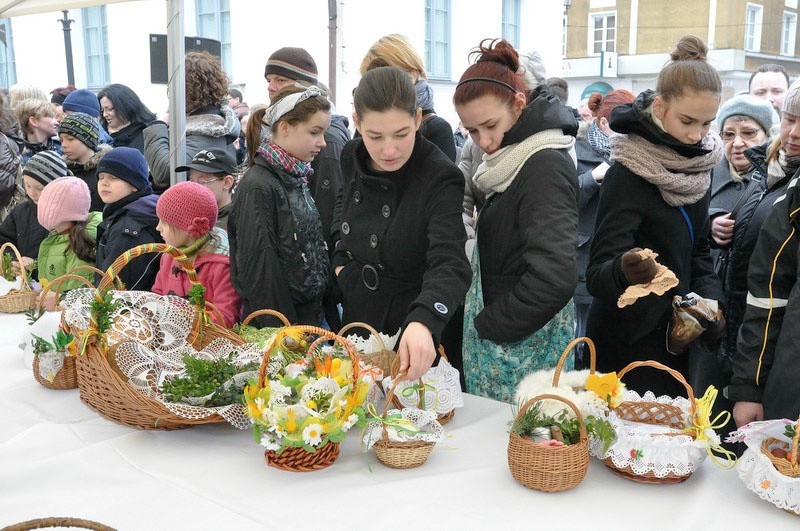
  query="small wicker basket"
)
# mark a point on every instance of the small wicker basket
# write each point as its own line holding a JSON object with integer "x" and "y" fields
{"x": 22, "y": 299}
{"x": 383, "y": 358}
{"x": 58, "y": 522}
{"x": 787, "y": 466}
{"x": 548, "y": 468}
{"x": 443, "y": 418}
{"x": 565, "y": 354}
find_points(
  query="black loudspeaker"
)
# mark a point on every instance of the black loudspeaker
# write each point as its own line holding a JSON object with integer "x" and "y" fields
{"x": 158, "y": 54}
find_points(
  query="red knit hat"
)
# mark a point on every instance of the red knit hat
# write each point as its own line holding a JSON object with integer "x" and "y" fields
{"x": 188, "y": 206}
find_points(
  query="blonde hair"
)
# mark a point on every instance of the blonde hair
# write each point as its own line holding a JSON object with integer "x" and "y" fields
{"x": 394, "y": 50}
{"x": 32, "y": 108}
{"x": 17, "y": 93}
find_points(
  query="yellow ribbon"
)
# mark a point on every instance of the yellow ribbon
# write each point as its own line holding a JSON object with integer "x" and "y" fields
{"x": 701, "y": 422}
{"x": 395, "y": 420}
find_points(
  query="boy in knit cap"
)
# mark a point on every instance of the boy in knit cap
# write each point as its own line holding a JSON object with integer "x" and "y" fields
{"x": 214, "y": 168}
{"x": 63, "y": 210}
{"x": 129, "y": 217}
{"x": 85, "y": 101}
{"x": 21, "y": 227}
{"x": 80, "y": 142}
{"x": 187, "y": 213}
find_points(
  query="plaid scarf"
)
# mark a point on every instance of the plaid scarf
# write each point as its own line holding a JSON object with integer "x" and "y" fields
{"x": 278, "y": 157}
{"x": 598, "y": 140}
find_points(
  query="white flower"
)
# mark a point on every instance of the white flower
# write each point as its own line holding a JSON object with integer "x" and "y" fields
{"x": 278, "y": 393}
{"x": 294, "y": 370}
{"x": 351, "y": 420}
{"x": 312, "y": 435}
{"x": 270, "y": 443}
{"x": 269, "y": 416}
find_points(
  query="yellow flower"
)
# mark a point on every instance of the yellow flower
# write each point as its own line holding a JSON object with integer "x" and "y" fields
{"x": 310, "y": 404}
{"x": 606, "y": 387}
{"x": 291, "y": 423}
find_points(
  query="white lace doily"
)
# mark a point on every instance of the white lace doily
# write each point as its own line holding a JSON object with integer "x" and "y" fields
{"x": 45, "y": 327}
{"x": 50, "y": 363}
{"x": 761, "y": 477}
{"x": 430, "y": 429}
{"x": 370, "y": 344}
{"x": 443, "y": 395}
{"x": 647, "y": 448}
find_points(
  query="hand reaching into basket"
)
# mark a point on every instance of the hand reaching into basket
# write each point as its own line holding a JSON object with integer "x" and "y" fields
{"x": 49, "y": 302}
{"x": 26, "y": 262}
{"x": 747, "y": 412}
{"x": 416, "y": 351}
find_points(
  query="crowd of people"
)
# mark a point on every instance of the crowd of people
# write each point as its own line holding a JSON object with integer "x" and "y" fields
{"x": 500, "y": 242}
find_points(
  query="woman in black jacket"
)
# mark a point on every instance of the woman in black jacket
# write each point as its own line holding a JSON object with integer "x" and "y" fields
{"x": 400, "y": 262}
{"x": 518, "y": 314}
{"x": 124, "y": 116}
{"x": 279, "y": 259}
{"x": 645, "y": 205}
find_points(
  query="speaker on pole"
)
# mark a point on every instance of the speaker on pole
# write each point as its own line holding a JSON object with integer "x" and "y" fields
{"x": 159, "y": 74}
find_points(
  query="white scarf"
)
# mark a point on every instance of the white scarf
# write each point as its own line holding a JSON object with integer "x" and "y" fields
{"x": 498, "y": 170}
{"x": 275, "y": 111}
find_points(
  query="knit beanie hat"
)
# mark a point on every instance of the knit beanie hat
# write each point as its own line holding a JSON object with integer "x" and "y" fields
{"x": 188, "y": 206}
{"x": 46, "y": 166}
{"x": 65, "y": 199}
{"x": 746, "y": 105}
{"x": 83, "y": 127}
{"x": 127, "y": 164}
{"x": 82, "y": 100}
{"x": 791, "y": 103}
{"x": 293, "y": 63}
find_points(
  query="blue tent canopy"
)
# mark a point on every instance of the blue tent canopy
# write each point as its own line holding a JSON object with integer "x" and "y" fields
{"x": 599, "y": 86}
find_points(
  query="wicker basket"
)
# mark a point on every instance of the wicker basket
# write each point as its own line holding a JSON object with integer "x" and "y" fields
{"x": 104, "y": 390}
{"x": 444, "y": 418}
{"x": 67, "y": 377}
{"x": 548, "y": 468}
{"x": 654, "y": 413}
{"x": 383, "y": 358}
{"x": 397, "y": 454}
{"x": 57, "y": 522}
{"x": 787, "y": 467}
{"x": 23, "y": 299}
{"x": 273, "y": 313}
{"x": 565, "y": 354}
{"x": 298, "y": 459}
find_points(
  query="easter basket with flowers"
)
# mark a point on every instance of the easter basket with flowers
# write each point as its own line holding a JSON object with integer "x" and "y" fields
{"x": 18, "y": 296}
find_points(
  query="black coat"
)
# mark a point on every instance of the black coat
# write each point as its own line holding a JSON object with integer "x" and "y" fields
{"x": 632, "y": 213}
{"x": 129, "y": 222}
{"x": 279, "y": 259}
{"x": 402, "y": 234}
{"x": 588, "y": 199}
{"x": 21, "y": 227}
{"x": 436, "y": 129}
{"x": 131, "y": 136}
{"x": 526, "y": 235}
{"x": 326, "y": 181}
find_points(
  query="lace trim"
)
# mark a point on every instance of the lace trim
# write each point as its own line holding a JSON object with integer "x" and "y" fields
{"x": 430, "y": 429}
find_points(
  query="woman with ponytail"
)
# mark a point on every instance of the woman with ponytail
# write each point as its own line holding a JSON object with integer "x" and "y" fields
{"x": 656, "y": 195}
{"x": 279, "y": 259}
{"x": 518, "y": 313}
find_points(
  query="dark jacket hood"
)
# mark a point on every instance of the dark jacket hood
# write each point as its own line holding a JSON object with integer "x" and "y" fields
{"x": 757, "y": 155}
{"x": 633, "y": 118}
{"x": 544, "y": 111}
{"x": 339, "y": 128}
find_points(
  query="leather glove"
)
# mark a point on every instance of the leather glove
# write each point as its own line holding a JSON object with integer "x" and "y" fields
{"x": 714, "y": 334}
{"x": 636, "y": 270}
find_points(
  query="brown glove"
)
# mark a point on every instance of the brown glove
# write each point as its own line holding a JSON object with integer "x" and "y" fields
{"x": 636, "y": 270}
{"x": 716, "y": 332}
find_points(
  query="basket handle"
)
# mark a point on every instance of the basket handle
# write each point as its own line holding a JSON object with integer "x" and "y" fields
{"x": 389, "y": 396}
{"x": 273, "y": 313}
{"x": 365, "y": 326}
{"x": 563, "y": 359}
{"x": 87, "y": 267}
{"x": 217, "y": 313}
{"x": 58, "y": 282}
{"x": 660, "y": 366}
{"x": 795, "y": 443}
{"x": 529, "y": 403}
{"x": 22, "y": 273}
{"x": 125, "y": 258}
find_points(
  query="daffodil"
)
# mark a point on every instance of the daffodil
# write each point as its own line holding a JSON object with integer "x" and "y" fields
{"x": 607, "y": 387}
{"x": 291, "y": 422}
{"x": 312, "y": 435}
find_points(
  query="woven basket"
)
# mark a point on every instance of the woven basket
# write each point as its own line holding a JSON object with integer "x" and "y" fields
{"x": 104, "y": 390}
{"x": 444, "y": 418}
{"x": 383, "y": 358}
{"x": 654, "y": 413}
{"x": 298, "y": 459}
{"x": 548, "y": 468}
{"x": 23, "y": 299}
{"x": 53, "y": 522}
{"x": 273, "y": 313}
{"x": 67, "y": 377}
{"x": 565, "y": 354}
{"x": 787, "y": 467}
{"x": 397, "y": 454}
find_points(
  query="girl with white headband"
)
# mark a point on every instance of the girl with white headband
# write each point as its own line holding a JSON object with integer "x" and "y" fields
{"x": 279, "y": 259}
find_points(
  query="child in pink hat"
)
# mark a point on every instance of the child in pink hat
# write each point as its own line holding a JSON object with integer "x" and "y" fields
{"x": 63, "y": 209}
{"x": 187, "y": 213}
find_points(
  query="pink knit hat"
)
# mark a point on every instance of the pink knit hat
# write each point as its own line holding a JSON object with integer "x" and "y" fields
{"x": 64, "y": 199}
{"x": 188, "y": 206}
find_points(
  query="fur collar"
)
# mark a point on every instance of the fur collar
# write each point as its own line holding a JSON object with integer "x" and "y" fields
{"x": 570, "y": 386}
{"x": 213, "y": 125}
{"x": 91, "y": 163}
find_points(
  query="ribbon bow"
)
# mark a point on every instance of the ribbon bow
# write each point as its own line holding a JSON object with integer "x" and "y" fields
{"x": 409, "y": 390}
{"x": 396, "y": 420}
{"x": 701, "y": 423}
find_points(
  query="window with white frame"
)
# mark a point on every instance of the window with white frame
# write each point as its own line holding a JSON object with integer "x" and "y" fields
{"x": 511, "y": 16}
{"x": 95, "y": 44}
{"x": 214, "y": 22}
{"x": 8, "y": 66}
{"x": 789, "y": 33}
{"x": 752, "y": 27}
{"x": 602, "y": 33}
{"x": 437, "y": 38}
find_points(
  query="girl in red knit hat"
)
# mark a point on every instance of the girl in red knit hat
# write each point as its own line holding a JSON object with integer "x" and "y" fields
{"x": 187, "y": 213}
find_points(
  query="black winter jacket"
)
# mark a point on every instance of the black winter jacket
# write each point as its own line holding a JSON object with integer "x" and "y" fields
{"x": 131, "y": 136}
{"x": 21, "y": 227}
{"x": 436, "y": 130}
{"x": 588, "y": 199}
{"x": 402, "y": 243}
{"x": 326, "y": 181}
{"x": 766, "y": 367}
{"x": 10, "y": 162}
{"x": 632, "y": 213}
{"x": 279, "y": 259}
{"x": 527, "y": 234}
{"x": 129, "y": 222}
{"x": 88, "y": 173}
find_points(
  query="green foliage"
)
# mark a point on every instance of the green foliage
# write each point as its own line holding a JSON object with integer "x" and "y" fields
{"x": 601, "y": 430}
{"x": 197, "y": 296}
{"x": 59, "y": 342}
{"x": 7, "y": 269}
{"x": 204, "y": 377}
{"x": 569, "y": 426}
{"x": 790, "y": 431}
{"x": 102, "y": 310}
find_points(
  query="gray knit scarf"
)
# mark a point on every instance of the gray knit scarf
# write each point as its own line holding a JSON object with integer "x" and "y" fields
{"x": 680, "y": 180}
{"x": 424, "y": 95}
{"x": 781, "y": 166}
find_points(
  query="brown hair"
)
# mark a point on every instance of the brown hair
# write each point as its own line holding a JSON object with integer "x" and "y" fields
{"x": 206, "y": 82}
{"x": 688, "y": 71}
{"x": 80, "y": 242}
{"x": 601, "y": 106}
{"x": 394, "y": 50}
{"x": 301, "y": 113}
{"x": 32, "y": 108}
{"x": 383, "y": 89}
{"x": 496, "y": 60}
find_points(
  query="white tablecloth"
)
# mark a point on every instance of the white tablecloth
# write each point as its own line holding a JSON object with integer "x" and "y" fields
{"x": 60, "y": 458}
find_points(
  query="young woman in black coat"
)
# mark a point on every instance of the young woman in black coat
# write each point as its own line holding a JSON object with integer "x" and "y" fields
{"x": 400, "y": 262}
{"x": 656, "y": 196}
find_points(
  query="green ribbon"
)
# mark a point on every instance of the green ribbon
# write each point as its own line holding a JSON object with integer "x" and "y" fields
{"x": 397, "y": 420}
{"x": 408, "y": 392}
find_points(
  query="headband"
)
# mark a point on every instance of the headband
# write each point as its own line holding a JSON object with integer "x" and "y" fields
{"x": 274, "y": 112}
{"x": 492, "y": 80}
